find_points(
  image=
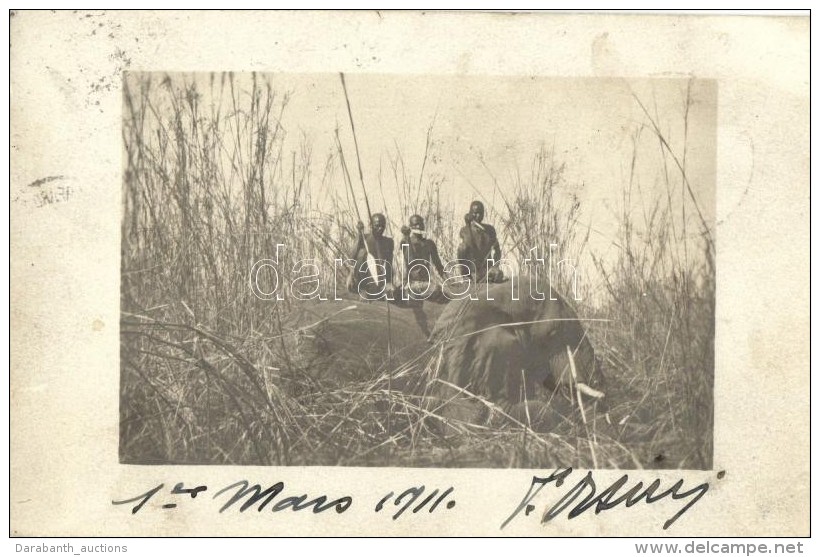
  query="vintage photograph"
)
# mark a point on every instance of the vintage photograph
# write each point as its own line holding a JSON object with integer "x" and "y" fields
{"x": 401, "y": 270}
{"x": 409, "y": 274}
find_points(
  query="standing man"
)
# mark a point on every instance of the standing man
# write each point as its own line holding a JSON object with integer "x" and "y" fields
{"x": 419, "y": 254}
{"x": 372, "y": 274}
{"x": 479, "y": 243}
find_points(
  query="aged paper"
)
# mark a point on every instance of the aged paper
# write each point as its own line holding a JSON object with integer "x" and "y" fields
{"x": 158, "y": 159}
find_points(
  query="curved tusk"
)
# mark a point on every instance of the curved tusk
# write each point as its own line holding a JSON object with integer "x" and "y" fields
{"x": 585, "y": 389}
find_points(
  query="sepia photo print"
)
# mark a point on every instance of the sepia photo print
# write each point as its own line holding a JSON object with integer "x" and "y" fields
{"x": 310, "y": 276}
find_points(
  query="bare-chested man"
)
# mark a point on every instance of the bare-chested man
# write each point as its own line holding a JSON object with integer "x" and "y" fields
{"x": 372, "y": 274}
{"x": 479, "y": 242}
{"x": 420, "y": 254}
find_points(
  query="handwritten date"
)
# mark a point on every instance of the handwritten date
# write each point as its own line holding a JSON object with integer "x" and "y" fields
{"x": 245, "y": 496}
{"x": 410, "y": 496}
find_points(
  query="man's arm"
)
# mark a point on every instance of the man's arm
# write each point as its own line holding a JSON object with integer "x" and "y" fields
{"x": 359, "y": 241}
{"x": 353, "y": 272}
{"x": 388, "y": 259}
{"x": 434, "y": 257}
{"x": 495, "y": 247}
{"x": 357, "y": 248}
{"x": 466, "y": 236}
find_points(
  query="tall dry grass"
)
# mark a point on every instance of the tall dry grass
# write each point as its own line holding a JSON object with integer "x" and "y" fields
{"x": 213, "y": 374}
{"x": 662, "y": 289}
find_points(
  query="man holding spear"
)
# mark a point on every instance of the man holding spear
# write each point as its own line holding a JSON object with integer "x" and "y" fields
{"x": 372, "y": 275}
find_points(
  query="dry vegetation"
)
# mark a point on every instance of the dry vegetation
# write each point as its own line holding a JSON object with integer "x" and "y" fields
{"x": 212, "y": 374}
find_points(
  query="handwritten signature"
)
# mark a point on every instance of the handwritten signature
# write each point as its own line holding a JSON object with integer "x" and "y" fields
{"x": 608, "y": 499}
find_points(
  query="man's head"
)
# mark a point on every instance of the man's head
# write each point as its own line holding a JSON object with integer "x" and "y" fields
{"x": 417, "y": 225}
{"x": 477, "y": 211}
{"x": 377, "y": 224}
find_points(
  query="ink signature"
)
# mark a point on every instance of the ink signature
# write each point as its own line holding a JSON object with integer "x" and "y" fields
{"x": 607, "y": 499}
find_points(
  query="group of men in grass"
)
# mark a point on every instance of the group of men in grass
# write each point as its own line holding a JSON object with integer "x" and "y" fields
{"x": 372, "y": 275}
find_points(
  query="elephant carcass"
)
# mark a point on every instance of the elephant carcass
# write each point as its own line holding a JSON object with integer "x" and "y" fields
{"x": 513, "y": 351}
{"x": 351, "y": 340}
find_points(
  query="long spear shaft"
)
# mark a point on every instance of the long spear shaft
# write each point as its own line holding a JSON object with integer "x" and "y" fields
{"x": 346, "y": 173}
{"x": 356, "y": 145}
{"x": 364, "y": 189}
{"x": 375, "y": 240}
{"x": 366, "y": 200}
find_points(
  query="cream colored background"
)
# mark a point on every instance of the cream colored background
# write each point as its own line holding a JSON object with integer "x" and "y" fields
{"x": 65, "y": 120}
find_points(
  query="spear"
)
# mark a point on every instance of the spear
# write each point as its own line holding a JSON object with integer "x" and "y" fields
{"x": 371, "y": 261}
{"x": 375, "y": 241}
{"x": 367, "y": 204}
{"x": 356, "y": 145}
